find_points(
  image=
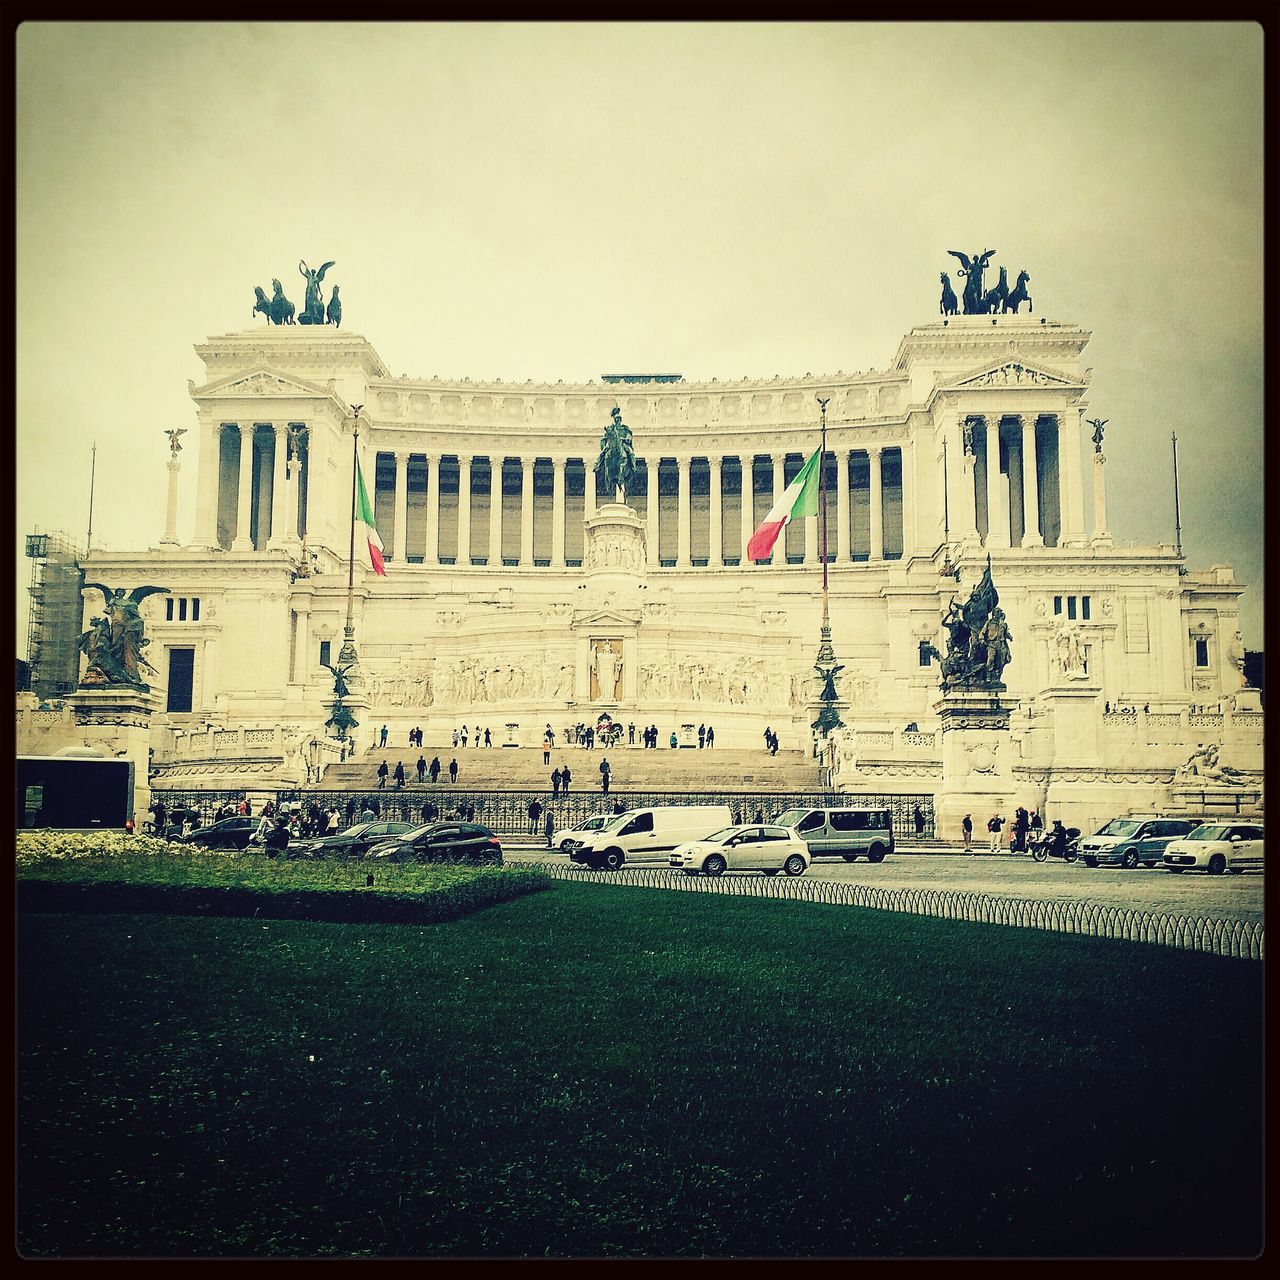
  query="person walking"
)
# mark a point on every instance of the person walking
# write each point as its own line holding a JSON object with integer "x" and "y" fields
{"x": 433, "y": 769}
{"x": 549, "y": 734}
{"x": 774, "y": 749}
{"x": 702, "y": 736}
{"x": 535, "y": 812}
{"x": 565, "y": 778}
{"x": 546, "y": 747}
{"x": 768, "y": 737}
{"x": 993, "y": 827}
{"x": 422, "y": 769}
{"x": 453, "y": 769}
{"x": 399, "y": 774}
{"x": 591, "y": 738}
{"x": 382, "y": 737}
{"x": 462, "y": 737}
{"x": 605, "y": 771}
{"x": 555, "y": 784}
{"x": 966, "y": 829}
{"x": 711, "y": 736}
{"x": 382, "y": 775}
{"x": 550, "y": 826}
{"x": 917, "y": 815}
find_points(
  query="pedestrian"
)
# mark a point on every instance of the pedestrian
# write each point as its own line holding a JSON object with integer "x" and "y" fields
{"x": 382, "y": 775}
{"x": 476, "y": 736}
{"x": 565, "y": 778}
{"x": 675, "y": 742}
{"x": 1021, "y": 822}
{"x": 535, "y": 812}
{"x": 591, "y": 738}
{"x": 549, "y": 734}
{"x": 918, "y": 815}
{"x": 774, "y": 750}
{"x": 433, "y": 769}
{"x": 604, "y": 775}
{"x": 555, "y": 783}
{"x": 399, "y": 774}
{"x": 768, "y": 737}
{"x": 488, "y": 741}
{"x": 550, "y": 826}
{"x": 455, "y": 738}
{"x": 368, "y": 813}
{"x": 546, "y": 747}
{"x": 702, "y": 736}
{"x": 759, "y": 816}
{"x": 463, "y": 736}
{"x": 631, "y": 735}
{"x": 966, "y": 829}
{"x": 711, "y": 736}
{"x": 1037, "y": 822}
{"x": 422, "y": 769}
{"x": 453, "y": 770}
{"x": 619, "y": 807}
{"x": 383, "y": 741}
{"x": 993, "y": 827}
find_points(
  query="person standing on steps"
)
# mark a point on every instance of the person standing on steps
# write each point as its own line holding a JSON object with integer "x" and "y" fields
{"x": 702, "y": 736}
{"x": 605, "y": 771}
{"x": 434, "y": 769}
{"x": 711, "y": 736}
{"x": 550, "y": 826}
{"x": 462, "y": 737}
{"x": 488, "y": 741}
{"x": 565, "y": 778}
{"x": 453, "y": 769}
{"x": 631, "y": 735}
{"x": 382, "y": 775}
{"x": 555, "y": 783}
{"x": 994, "y": 823}
{"x": 675, "y": 742}
{"x": 546, "y": 747}
{"x": 422, "y": 769}
{"x": 399, "y": 774}
{"x": 383, "y": 737}
{"x": 917, "y": 815}
{"x": 966, "y": 829}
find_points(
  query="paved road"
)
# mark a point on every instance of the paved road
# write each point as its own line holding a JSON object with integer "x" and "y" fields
{"x": 1190, "y": 894}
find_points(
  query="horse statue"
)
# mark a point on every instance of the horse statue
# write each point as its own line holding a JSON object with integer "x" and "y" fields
{"x": 616, "y": 466}
{"x": 262, "y": 304}
{"x": 313, "y": 307}
{"x": 948, "y": 305}
{"x": 333, "y": 313}
{"x": 1019, "y": 295}
{"x": 281, "y": 307}
{"x": 996, "y": 297}
{"x": 974, "y": 298}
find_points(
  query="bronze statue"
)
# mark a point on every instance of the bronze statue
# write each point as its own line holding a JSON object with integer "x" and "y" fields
{"x": 997, "y": 298}
{"x": 975, "y": 302}
{"x": 829, "y": 693}
{"x": 966, "y": 437}
{"x": 339, "y": 673}
{"x": 948, "y": 304}
{"x": 313, "y": 307}
{"x": 262, "y": 304}
{"x": 978, "y": 638}
{"x": 115, "y": 641}
{"x": 281, "y": 307}
{"x": 333, "y": 314}
{"x": 174, "y": 447}
{"x": 616, "y": 466}
{"x": 1019, "y": 295}
{"x": 1097, "y": 424}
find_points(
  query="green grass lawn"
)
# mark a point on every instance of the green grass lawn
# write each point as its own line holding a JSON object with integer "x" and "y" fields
{"x": 595, "y": 1071}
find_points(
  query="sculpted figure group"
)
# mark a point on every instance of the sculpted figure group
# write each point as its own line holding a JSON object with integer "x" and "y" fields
{"x": 977, "y": 638}
{"x": 115, "y": 641}
{"x": 977, "y": 301}
{"x": 279, "y": 310}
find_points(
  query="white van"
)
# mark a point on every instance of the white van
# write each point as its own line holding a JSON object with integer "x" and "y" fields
{"x": 648, "y": 835}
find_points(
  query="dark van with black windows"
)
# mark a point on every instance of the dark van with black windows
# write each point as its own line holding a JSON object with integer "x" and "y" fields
{"x": 842, "y": 833}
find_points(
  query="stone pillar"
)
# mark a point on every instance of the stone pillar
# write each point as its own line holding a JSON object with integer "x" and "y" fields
{"x": 997, "y": 491}
{"x": 495, "y": 511}
{"x": 715, "y": 556}
{"x": 651, "y": 511}
{"x": 907, "y": 453}
{"x": 682, "y": 510}
{"x": 280, "y": 486}
{"x": 116, "y": 719}
{"x": 464, "y": 511}
{"x": 1071, "y": 493}
{"x": 1031, "y": 535}
{"x": 317, "y": 516}
{"x": 747, "y": 498}
{"x": 876, "y": 499}
{"x": 401, "y": 509}
{"x": 557, "y": 512}
{"x": 171, "y": 504}
{"x": 977, "y": 760}
{"x": 526, "y": 510}
{"x": 1101, "y": 535}
{"x": 962, "y": 470}
{"x": 301, "y": 639}
{"x": 432, "y": 554}
{"x": 843, "y": 550}
{"x": 209, "y": 483}
{"x": 589, "y": 493}
{"x": 779, "y": 553}
{"x": 242, "y": 541}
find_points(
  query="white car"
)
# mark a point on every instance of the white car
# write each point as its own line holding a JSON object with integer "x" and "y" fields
{"x": 561, "y": 839}
{"x": 744, "y": 848}
{"x": 1216, "y": 847}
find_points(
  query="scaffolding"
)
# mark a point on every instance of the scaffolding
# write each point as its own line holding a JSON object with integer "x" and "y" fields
{"x": 53, "y": 625}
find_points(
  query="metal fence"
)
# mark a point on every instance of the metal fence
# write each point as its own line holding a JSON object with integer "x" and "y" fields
{"x": 1238, "y": 938}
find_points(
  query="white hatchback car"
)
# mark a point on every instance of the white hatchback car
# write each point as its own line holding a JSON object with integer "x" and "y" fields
{"x": 1216, "y": 847}
{"x": 560, "y": 840}
{"x": 744, "y": 848}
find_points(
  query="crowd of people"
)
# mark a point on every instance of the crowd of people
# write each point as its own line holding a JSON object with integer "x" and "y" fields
{"x": 1026, "y": 824}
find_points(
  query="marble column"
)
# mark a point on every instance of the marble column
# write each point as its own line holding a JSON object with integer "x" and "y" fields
{"x": 682, "y": 521}
{"x": 843, "y": 551}
{"x": 589, "y": 493}
{"x": 495, "y": 511}
{"x": 997, "y": 488}
{"x": 242, "y": 541}
{"x": 401, "y": 509}
{"x": 432, "y": 553}
{"x": 1070, "y": 489}
{"x": 1101, "y": 534}
{"x": 526, "y": 510}
{"x": 317, "y": 515}
{"x": 651, "y": 511}
{"x": 1031, "y": 535}
{"x": 779, "y": 553}
{"x": 464, "y": 511}
{"x": 279, "y": 487}
{"x": 747, "y": 500}
{"x": 875, "y": 498}
{"x": 301, "y": 639}
{"x": 210, "y": 482}
{"x": 557, "y": 512}
{"x": 907, "y": 498}
{"x": 962, "y": 468}
{"x": 171, "y": 504}
{"x": 715, "y": 551}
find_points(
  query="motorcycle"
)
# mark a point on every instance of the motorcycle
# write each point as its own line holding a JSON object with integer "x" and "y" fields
{"x": 1041, "y": 846}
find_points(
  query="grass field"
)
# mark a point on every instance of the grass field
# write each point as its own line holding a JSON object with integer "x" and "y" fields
{"x": 592, "y": 1071}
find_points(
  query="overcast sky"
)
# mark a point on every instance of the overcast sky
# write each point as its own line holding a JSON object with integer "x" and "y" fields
{"x": 561, "y": 201}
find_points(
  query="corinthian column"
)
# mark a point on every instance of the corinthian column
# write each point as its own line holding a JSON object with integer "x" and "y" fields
{"x": 526, "y": 510}
{"x": 1031, "y": 535}
{"x": 714, "y": 548}
{"x": 842, "y": 507}
{"x": 432, "y": 555}
{"x": 242, "y": 541}
{"x": 747, "y": 500}
{"x": 279, "y": 487}
{"x": 464, "y": 510}
{"x": 779, "y": 553}
{"x": 557, "y": 512}
{"x": 400, "y": 512}
{"x": 651, "y": 510}
{"x": 876, "y": 499}
{"x": 682, "y": 522}
{"x": 495, "y": 511}
{"x": 997, "y": 488}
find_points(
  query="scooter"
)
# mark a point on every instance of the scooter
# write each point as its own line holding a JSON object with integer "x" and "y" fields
{"x": 1041, "y": 846}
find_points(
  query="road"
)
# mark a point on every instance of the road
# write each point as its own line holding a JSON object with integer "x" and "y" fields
{"x": 1228, "y": 897}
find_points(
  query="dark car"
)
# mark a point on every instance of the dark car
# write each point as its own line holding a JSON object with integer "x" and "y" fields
{"x": 230, "y": 833}
{"x": 463, "y": 842}
{"x": 354, "y": 842}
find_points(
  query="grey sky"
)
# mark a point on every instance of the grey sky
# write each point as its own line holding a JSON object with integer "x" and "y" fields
{"x": 560, "y": 201}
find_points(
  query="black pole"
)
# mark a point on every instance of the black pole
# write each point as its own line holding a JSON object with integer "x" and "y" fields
{"x": 946, "y": 512}
{"x": 348, "y": 653}
{"x": 1177, "y": 506}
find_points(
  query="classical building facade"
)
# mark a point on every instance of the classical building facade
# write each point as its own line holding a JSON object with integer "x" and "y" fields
{"x": 516, "y": 594}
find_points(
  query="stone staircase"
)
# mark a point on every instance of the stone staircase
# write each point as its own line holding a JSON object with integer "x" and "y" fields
{"x": 633, "y": 768}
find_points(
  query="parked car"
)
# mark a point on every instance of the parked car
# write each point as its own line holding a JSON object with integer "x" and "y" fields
{"x": 230, "y": 833}
{"x": 354, "y": 842}
{"x": 562, "y": 839}
{"x": 1132, "y": 842}
{"x": 749, "y": 847}
{"x": 1216, "y": 847}
{"x": 842, "y": 833}
{"x": 467, "y": 842}
{"x": 648, "y": 835}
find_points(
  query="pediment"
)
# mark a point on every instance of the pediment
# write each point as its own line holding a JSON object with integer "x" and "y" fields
{"x": 605, "y": 618}
{"x": 1011, "y": 373}
{"x": 259, "y": 382}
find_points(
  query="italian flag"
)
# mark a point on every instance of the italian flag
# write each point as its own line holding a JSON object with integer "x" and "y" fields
{"x": 365, "y": 528}
{"x": 800, "y": 498}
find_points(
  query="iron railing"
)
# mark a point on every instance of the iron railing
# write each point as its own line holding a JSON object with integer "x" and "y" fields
{"x": 1239, "y": 938}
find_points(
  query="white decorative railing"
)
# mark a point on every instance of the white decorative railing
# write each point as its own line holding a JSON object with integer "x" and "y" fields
{"x": 871, "y": 740}
{"x": 918, "y": 739}
{"x": 1205, "y": 720}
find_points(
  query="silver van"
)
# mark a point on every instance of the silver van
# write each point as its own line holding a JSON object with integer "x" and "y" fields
{"x": 842, "y": 833}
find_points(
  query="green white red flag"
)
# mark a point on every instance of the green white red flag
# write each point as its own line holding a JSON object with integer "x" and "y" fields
{"x": 799, "y": 498}
{"x": 365, "y": 527}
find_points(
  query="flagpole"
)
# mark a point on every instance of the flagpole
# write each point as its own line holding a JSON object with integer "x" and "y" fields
{"x": 348, "y": 653}
{"x": 1177, "y": 506}
{"x": 826, "y": 667}
{"x": 822, "y": 507}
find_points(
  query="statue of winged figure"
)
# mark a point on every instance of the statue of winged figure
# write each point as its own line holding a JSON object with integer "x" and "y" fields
{"x": 115, "y": 641}
{"x": 975, "y": 300}
{"x": 313, "y": 307}
{"x": 174, "y": 447}
{"x": 339, "y": 673}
